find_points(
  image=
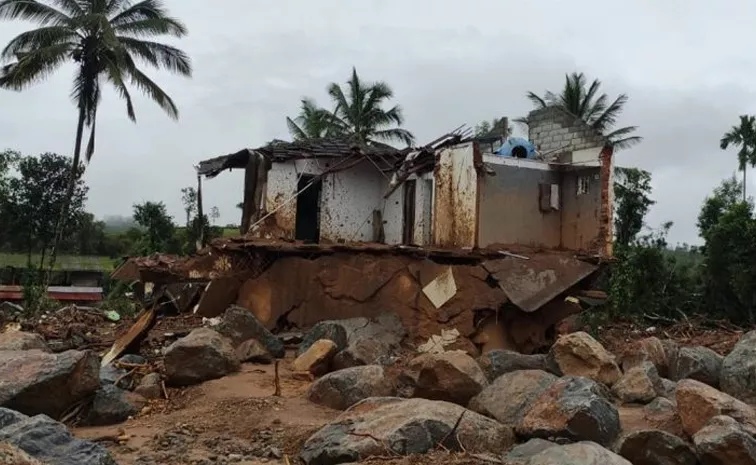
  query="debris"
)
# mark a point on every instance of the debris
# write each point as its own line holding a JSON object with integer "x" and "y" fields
{"x": 436, "y": 343}
{"x": 112, "y": 315}
{"x": 442, "y": 289}
{"x": 316, "y": 359}
{"x": 143, "y": 324}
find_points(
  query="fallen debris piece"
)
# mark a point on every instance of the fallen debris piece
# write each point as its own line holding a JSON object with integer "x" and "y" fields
{"x": 143, "y": 324}
{"x": 436, "y": 343}
{"x": 316, "y": 359}
{"x": 442, "y": 289}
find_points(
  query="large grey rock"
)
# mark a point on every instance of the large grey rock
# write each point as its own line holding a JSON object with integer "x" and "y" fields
{"x": 20, "y": 340}
{"x": 450, "y": 376}
{"x": 252, "y": 351}
{"x": 498, "y": 362}
{"x": 662, "y": 414}
{"x": 654, "y": 447}
{"x": 113, "y": 405}
{"x": 49, "y": 441}
{"x": 202, "y": 355}
{"x": 511, "y": 395}
{"x": 519, "y": 455}
{"x": 404, "y": 427}
{"x": 239, "y": 325}
{"x": 724, "y": 441}
{"x": 578, "y": 354}
{"x": 738, "y": 376}
{"x": 110, "y": 374}
{"x": 649, "y": 350}
{"x": 344, "y": 388}
{"x": 639, "y": 384}
{"x": 581, "y": 453}
{"x": 32, "y": 381}
{"x": 698, "y": 403}
{"x": 575, "y": 408}
{"x": 698, "y": 363}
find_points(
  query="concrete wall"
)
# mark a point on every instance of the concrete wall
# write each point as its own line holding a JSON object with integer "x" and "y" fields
{"x": 455, "y": 197}
{"x": 581, "y": 208}
{"x": 510, "y": 210}
{"x": 552, "y": 129}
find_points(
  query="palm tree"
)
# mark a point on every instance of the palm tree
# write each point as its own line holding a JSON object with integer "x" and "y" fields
{"x": 313, "y": 122}
{"x": 744, "y": 137}
{"x": 104, "y": 39}
{"x": 594, "y": 108}
{"x": 358, "y": 112}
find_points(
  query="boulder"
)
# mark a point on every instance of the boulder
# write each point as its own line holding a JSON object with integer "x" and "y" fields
{"x": 109, "y": 374}
{"x": 33, "y": 381}
{"x": 202, "y": 355}
{"x": 150, "y": 387}
{"x": 113, "y": 405}
{"x": 316, "y": 358}
{"x": 49, "y": 441}
{"x": 698, "y": 403}
{"x": 510, "y": 396}
{"x": 333, "y": 330}
{"x": 239, "y": 325}
{"x": 252, "y": 351}
{"x": 650, "y": 349}
{"x": 654, "y": 447}
{"x": 698, "y": 363}
{"x": 519, "y": 455}
{"x": 575, "y": 408}
{"x": 581, "y": 453}
{"x": 20, "y": 340}
{"x": 578, "y": 354}
{"x": 639, "y": 384}
{"x": 661, "y": 414}
{"x": 724, "y": 441}
{"x": 668, "y": 389}
{"x": 12, "y": 455}
{"x": 404, "y": 427}
{"x": 342, "y": 389}
{"x": 365, "y": 352}
{"x": 498, "y": 362}
{"x": 736, "y": 378}
{"x": 449, "y": 376}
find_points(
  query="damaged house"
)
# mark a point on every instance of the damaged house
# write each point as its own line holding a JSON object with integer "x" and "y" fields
{"x": 498, "y": 241}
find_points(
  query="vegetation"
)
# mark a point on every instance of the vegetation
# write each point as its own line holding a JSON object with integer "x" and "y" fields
{"x": 742, "y": 136}
{"x": 104, "y": 40}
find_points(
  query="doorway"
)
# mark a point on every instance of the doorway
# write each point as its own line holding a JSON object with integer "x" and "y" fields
{"x": 408, "y": 230}
{"x": 307, "y": 228}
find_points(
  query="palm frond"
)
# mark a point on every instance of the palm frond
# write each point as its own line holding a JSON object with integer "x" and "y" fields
{"x": 114, "y": 73}
{"x": 33, "y": 67}
{"x": 147, "y": 18}
{"x": 609, "y": 117}
{"x": 149, "y": 87}
{"x": 296, "y": 132}
{"x": 70, "y": 7}
{"x": 32, "y": 10}
{"x": 395, "y": 135}
{"x": 28, "y": 42}
{"x": 626, "y": 143}
{"x": 537, "y": 101}
{"x": 159, "y": 55}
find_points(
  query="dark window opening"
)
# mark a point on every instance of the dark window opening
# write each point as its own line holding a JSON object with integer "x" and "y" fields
{"x": 307, "y": 227}
{"x": 408, "y": 231}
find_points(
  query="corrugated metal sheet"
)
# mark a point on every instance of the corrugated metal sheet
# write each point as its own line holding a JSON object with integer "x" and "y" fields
{"x": 532, "y": 283}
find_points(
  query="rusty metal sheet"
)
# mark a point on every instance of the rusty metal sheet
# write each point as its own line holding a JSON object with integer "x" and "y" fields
{"x": 530, "y": 284}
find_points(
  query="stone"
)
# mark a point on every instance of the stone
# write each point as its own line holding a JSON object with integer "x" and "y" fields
{"x": 48, "y": 441}
{"x": 578, "y": 354}
{"x": 654, "y": 447}
{"x": 499, "y": 362}
{"x": 698, "y": 363}
{"x": 330, "y": 330}
{"x": 581, "y": 453}
{"x": 639, "y": 384}
{"x": 252, "y": 351}
{"x": 342, "y": 389}
{"x": 511, "y": 395}
{"x": 364, "y": 352}
{"x": 113, "y": 405}
{"x": 404, "y": 427}
{"x": 724, "y": 441}
{"x": 737, "y": 377}
{"x": 109, "y": 374}
{"x": 650, "y": 350}
{"x": 20, "y": 340}
{"x": 239, "y": 324}
{"x": 150, "y": 387}
{"x": 133, "y": 359}
{"x": 575, "y": 408}
{"x": 202, "y": 355}
{"x": 316, "y": 358}
{"x": 698, "y": 403}
{"x": 12, "y": 455}
{"x": 519, "y": 455}
{"x": 668, "y": 389}
{"x": 451, "y": 376}
{"x": 661, "y": 414}
{"x": 33, "y": 381}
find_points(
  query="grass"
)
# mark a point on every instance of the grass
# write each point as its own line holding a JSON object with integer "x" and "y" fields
{"x": 63, "y": 262}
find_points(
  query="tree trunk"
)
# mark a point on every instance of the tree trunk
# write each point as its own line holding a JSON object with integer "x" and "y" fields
{"x": 72, "y": 178}
{"x": 744, "y": 183}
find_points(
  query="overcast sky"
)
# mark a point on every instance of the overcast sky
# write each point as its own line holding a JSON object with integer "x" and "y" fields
{"x": 687, "y": 66}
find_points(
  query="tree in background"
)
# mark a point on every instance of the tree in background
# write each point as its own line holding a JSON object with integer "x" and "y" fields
{"x": 214, "y": 215}
{"x": 742, "y": 136}
{"x": 313, "y": 122}
{"x": 492, "y": 128}
{"x": 585, "y": 101}
{"x": 189, "y": 199}
{"x": 159, "y": 230}
{"x": 632, "y": 188}
{"x": 722, "y": 200}
{"x": 104, "y": 40}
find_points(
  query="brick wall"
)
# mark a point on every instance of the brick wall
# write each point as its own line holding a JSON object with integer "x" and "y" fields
{"x": 554, "y": 130}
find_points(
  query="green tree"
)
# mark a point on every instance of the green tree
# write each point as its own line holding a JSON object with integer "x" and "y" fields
{"x": 632, "y": 188}
{"x": 313, "y": 122}
{"x": 160, "y": 232}
{"x": 189, "y": 199}
{"x": 742, "y": 136}
{"x": 722, "y": 200}
{"x": 359, "y": 113}
{"x": 104, "y": 40}
{"x": 491, "y": 128}
{"x": 586, "y": 101}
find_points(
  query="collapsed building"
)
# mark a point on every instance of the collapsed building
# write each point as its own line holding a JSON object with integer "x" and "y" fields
{"x": 498, "y": 239}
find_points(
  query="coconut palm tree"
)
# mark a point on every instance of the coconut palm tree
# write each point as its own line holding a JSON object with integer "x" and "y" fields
{"x": 104, "y": 39}
{"x": 587, "y": 103}
{"x": 742, "y": 136}
{"x": 313, "y": 122}
{"x": 359, "y": 113}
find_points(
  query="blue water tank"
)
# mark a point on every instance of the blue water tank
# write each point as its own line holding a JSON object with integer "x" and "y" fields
{"x": 517, "y": 147}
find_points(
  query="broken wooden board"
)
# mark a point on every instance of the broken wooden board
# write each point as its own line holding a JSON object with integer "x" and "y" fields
{"x": 143, "y": 324}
